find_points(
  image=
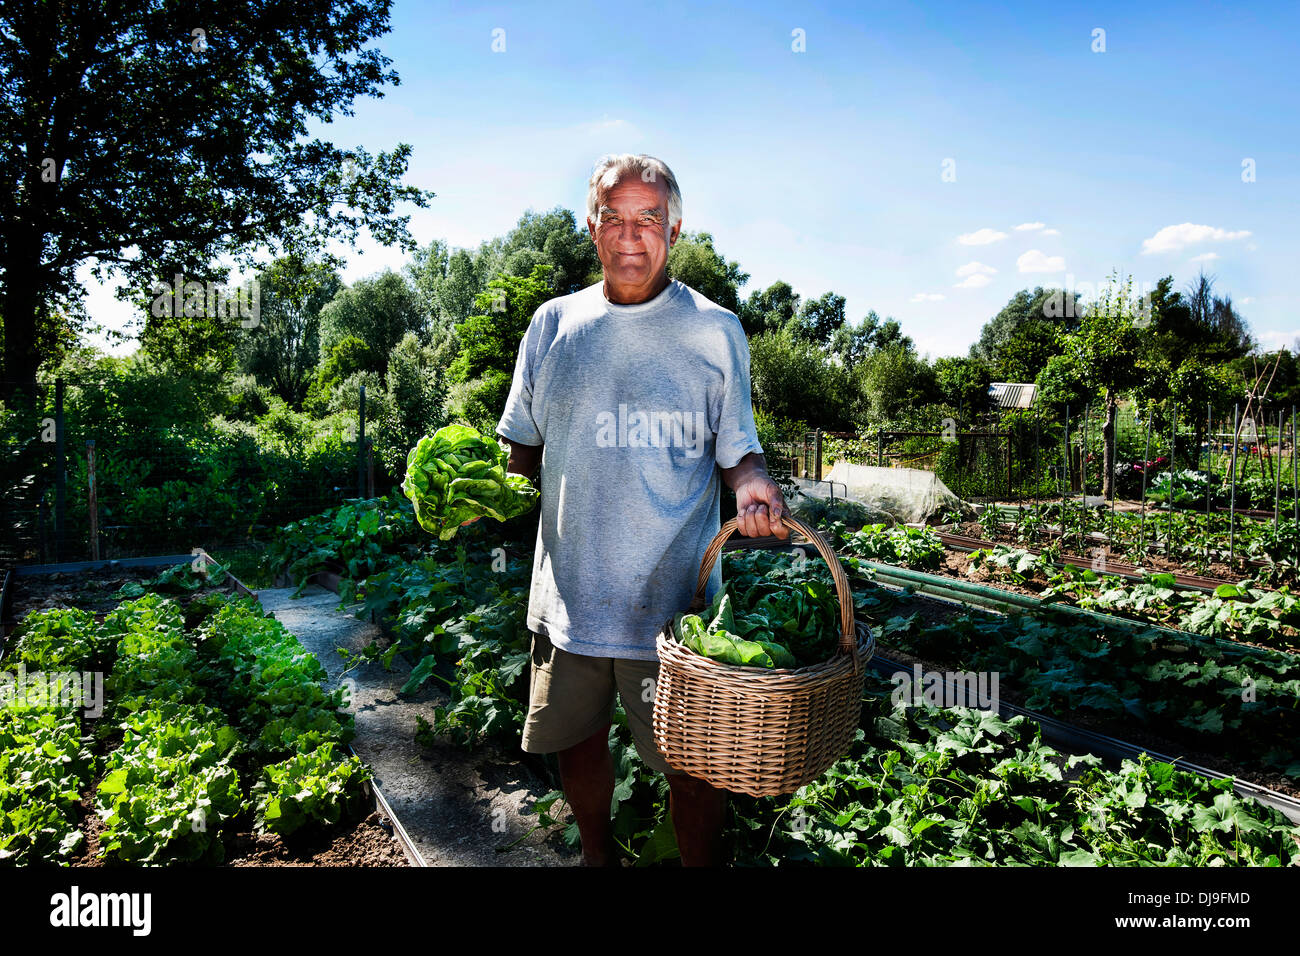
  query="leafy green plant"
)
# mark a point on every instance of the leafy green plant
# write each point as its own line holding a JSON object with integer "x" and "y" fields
{"x": 44, "y": 765}
{"x": 457, "y": 474}
{"x": 56, "y": 639}
{"x": 169, "y": 786}
{"x": 918, "y": 548}
{"x": 316, "y": 788}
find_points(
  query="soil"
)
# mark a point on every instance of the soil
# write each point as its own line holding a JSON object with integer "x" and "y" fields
{"x": 88, "y": 590}
{"x": 1218, "y": 569}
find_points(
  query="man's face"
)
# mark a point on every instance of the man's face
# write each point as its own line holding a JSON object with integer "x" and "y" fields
{"x": 632, "y": 235}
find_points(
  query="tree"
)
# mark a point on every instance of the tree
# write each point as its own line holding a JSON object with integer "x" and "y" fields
{"x": 1220, "y": 327}
{"x": 1109, "y": 353}
{"x": 379, "y": 310}
{"x": 790, "y": 378}
{"x": 767, "y": 310}
{"x": 693, "y": 261}
{"x": 479, "y": 377}
{"x": 819, "y": 319}
{"x": 963, "y": 383}
{"x": 851, "y": 344}
{"x": 152, "y": 138}
{"x": 283, "y": 349}
{"x": 894, "y": 382}
{"x": 413, "y": 408}
{"x": 446, "y": 281}
{"x": 1017, "y": 342}
{"x": 553, "y": 239}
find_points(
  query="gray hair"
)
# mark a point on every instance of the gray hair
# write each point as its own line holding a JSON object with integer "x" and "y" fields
{"x": 613, "y": 167}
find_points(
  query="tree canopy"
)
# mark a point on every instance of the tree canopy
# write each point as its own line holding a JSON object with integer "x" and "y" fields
{"x": 151, "y": 138}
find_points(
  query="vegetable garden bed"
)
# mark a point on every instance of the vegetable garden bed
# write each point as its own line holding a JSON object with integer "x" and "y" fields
{"x": 926, "y": 786}
{"x": 214, "y": 743}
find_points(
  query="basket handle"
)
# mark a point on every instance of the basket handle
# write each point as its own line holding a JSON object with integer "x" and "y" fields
{"x": 848, "y": 627}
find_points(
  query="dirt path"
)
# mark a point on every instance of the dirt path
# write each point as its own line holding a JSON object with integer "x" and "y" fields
{"x": 460, "y": 808}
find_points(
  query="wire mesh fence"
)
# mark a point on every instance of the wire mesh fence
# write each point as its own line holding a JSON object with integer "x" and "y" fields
{"x": 1243, "y": 459}
{"x": 85, "y": 476}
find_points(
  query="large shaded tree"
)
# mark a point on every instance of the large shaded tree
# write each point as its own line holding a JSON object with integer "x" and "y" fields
{"x": 553, "y": 239}
{"x": 151, "y": 137}
{"x": 283, "y": 349}
{"x": 819, "y": 319}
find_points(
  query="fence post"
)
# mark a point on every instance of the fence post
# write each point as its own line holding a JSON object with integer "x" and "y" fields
{"x": 1173, "y": 478}
{"x": 1142, "y": 521}
{"x": 1232, "y": 487}
{"x": 817, "y": 455}
{"x": 370, "y": 468}
{"x": 1065, "y": 472}
{"x": 361, "y": 446}
{"x": 1209, "y": 471}
{"x": 60, "y": 472}
{"x": 880, "y": 446}
{"x": 1277, "y": 478}
{"x": 92, "y": 503}
{"x": 1295, "y": 486}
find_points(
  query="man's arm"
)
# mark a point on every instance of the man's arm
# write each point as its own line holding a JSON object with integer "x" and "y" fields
{"x": 524, "y": 459}
{"x": 759, "y": 504}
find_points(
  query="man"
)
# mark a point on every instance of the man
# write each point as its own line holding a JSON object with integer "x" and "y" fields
{"x": 632, "y": 395}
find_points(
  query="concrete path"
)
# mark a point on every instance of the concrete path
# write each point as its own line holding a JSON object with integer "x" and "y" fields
{"x": 460, "y": 807}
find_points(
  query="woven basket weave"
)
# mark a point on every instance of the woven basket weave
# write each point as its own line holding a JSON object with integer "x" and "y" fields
{"x": 750, "y": 729}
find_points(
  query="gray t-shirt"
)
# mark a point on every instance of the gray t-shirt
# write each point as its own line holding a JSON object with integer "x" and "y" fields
{"x": 636, "y": 405}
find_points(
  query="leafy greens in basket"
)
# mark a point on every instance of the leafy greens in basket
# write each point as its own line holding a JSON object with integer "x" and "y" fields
{"x": 772, "y": 623}
{"x": 457, "y": 473}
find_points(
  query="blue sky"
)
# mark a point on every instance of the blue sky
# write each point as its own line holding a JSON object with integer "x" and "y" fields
{"x": 826, "y": 168}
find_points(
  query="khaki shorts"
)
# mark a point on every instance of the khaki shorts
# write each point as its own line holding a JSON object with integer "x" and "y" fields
{"x": 571, "y": 697}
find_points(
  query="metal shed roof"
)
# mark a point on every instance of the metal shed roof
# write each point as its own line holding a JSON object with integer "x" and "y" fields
{"x": 1012, "y": 394}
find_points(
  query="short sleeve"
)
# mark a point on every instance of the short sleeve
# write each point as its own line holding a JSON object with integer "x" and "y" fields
{"x": 736, "y": 434}
{"x": 517, "y": 421}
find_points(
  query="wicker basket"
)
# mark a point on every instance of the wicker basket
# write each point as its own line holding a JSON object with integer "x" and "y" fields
{"x": 753, "y": 730}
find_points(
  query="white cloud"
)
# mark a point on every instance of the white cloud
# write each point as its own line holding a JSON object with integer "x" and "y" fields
{"x": 1246, "y": 301}
{"x": 1173, "y": 238}
{"x": 1030, "y": 226}
{"x": 1279, "y": 338}
{"x": 975, "y": 268}
{"x": 1051, "y": 232}
{"x": 981, "y": 237}
{"x": 1036, "y": 261}
{"x": 976, "y": 281}
{"x": 927, "y": 297}
{"x": 606, "y": 126}
{"x": 1205, "y": 257}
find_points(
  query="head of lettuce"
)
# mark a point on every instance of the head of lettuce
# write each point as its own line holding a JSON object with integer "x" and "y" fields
{"x": 456, "y": 474}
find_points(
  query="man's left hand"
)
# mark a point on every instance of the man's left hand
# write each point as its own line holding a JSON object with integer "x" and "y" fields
{"x": 759, "y": 507}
